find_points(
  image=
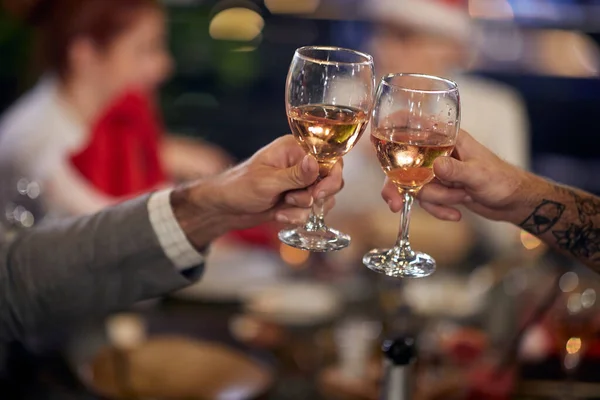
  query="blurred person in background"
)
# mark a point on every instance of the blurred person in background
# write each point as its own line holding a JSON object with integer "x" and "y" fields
{"x": 89, "y": 132}
{"x": 436, "y": 37}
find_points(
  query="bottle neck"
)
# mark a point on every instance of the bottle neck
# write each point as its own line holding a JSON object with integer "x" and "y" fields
{"x": 397, "y": 385}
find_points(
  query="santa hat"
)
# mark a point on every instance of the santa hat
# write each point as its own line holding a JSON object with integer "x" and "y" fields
{"x": 444, "y": 17}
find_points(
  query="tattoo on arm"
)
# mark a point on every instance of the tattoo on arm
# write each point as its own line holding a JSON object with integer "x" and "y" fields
{"x": 544, "y": 217}
{"x": 582, "y": 241}
{"x": 579, "y": 235}
{"x": 586, "y": 207}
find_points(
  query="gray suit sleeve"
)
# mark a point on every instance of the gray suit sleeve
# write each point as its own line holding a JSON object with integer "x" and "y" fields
{"x": 80, "y": 267}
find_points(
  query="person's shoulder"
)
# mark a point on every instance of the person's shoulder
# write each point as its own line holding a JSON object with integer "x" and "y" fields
{"x": 28, "y": 129}
{"x": 28, "y": 115}
{"x": 491, "y": 105}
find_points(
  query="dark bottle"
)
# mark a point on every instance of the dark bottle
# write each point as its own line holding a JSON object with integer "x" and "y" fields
{"x": 399, "y": 356}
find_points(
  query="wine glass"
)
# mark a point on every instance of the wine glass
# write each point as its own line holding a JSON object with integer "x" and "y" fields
{"x": 416, "y": 119}
{"x": 329, "y": 96}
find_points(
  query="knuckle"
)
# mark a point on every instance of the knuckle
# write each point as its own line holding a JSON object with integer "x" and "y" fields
{"x": 448, "y": 166}
{"x": 296, "y": 175}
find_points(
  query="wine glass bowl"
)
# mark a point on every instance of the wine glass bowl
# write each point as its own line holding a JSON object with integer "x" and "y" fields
{"x": 416, "y": 119}
{"x": 329, "y": 96}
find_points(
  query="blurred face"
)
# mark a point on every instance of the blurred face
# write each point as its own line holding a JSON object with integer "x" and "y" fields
{"x": 138, "y": 58}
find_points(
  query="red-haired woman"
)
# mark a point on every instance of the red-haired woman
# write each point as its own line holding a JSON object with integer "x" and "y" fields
{"x": 89, "y": 131}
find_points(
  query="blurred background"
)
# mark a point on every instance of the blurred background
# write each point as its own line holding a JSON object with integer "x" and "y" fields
{"x": 502, "y": 318}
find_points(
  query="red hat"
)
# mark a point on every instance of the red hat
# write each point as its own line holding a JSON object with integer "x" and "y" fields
{"x": 444, "y": 17}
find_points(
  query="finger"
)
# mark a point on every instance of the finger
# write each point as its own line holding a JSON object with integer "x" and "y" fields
{"x": 455, "y": 172}
{"x": 466, "y": 146}
{"x": 282, "y": 152}
{"x": 300, "y": 176}
{"x": 299, "y": 198}
{"x": 442, "y": 212}
{"x": 329, "y": 204}
{"x": 442, "y": 195}
{"x": 447, "y": 184}
{"x": 294, "y": 216}
{"x": 391, "y": 195}
{"x": 332, "y": 184}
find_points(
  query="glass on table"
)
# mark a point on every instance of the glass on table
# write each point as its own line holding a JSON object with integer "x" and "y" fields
{"x": 329, "y": 96}
{"x": 416, "y": 119}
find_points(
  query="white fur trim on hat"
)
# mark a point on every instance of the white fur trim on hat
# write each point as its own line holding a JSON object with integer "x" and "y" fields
{"x": 423, "y": 15}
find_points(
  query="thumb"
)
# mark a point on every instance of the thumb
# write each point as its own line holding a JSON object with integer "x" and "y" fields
{"x": 451, "y": 170}
{"x": 301, "y": 175}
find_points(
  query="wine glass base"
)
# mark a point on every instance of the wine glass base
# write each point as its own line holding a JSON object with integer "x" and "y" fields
{"x": 385, "y": 262}
{"x": 319, "y": 241}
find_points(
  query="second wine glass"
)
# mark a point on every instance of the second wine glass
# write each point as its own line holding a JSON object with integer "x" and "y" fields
{"x": 415, "y": 120}
{"x": 329, "y": 96}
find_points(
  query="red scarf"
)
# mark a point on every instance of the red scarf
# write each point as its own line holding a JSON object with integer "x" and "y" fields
{"x": 122, "y": 156}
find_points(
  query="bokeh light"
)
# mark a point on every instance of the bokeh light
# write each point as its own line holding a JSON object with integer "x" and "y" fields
{"x": 574, "y": 305}
{"x": 568, "y": 282}
{"x": 573, "y": 345}
{"x": 292, "y": 256}
{"x": 236, "y": 24}
{"x": 529, "y": 241}
{"x": 588, "y": 298}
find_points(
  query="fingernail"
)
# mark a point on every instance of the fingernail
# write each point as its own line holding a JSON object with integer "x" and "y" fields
{"x": 306, "y": 164}
{"x": 291, "y": 201}
{"x": 468, "y": 199}
{"x": 321, "y": 195}
{"x": 282, "y": 219}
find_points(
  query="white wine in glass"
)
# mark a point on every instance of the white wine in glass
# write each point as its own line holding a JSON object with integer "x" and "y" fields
{"x": 329, "y": 96}
{"x": 407, "y": 155}
{"x": 327, "y": 131}
{"x": 415, "y": 120}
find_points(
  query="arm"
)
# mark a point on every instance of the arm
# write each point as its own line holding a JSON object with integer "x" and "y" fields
{"x": 80, "y": 267}
{"x": 565, "y": 218}
{"x": 105, "y": 262}
{"x": 92, "y": 265}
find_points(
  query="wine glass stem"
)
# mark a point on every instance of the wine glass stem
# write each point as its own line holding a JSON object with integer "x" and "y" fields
{"x": 402, "y": 247}
{"x": 316, "y": 221}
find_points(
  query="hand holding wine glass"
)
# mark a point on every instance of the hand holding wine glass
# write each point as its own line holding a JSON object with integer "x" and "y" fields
{"x": 329, "y": 95}
{"x": 415, "y": 120}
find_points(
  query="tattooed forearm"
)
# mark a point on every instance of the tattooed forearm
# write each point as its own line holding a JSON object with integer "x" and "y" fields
{"x": 544, "y": 217}
{"x": 587, "y": 207}
{"x": 583, "y": 241}
{"x": 570, "y": 222}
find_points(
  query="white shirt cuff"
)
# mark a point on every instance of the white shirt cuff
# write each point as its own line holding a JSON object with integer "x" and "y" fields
{"x": 170, "y": 235}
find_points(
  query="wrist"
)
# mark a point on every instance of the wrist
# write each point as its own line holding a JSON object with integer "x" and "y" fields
{"x": 531, "y": 191}
{"x": 199, "y": 214}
